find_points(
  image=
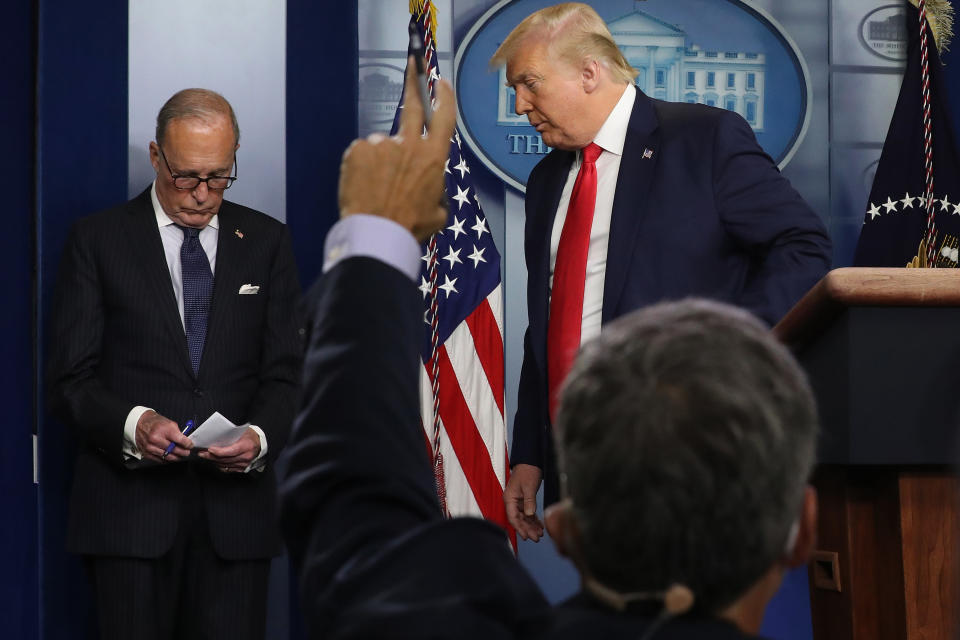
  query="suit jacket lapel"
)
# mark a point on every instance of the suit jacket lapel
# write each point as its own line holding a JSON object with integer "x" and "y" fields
{"x": 640, "y": 154}
{"x": 146, "y": 238}
{"x": 545, "y": 212}
{"x": 228, "y": 259}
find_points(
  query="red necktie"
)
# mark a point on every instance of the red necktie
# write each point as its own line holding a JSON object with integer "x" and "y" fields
{"x": 569, "y": 276}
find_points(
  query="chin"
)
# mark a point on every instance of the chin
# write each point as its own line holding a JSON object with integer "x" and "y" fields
{"x": 195, "y": 219}
{"x": 560, "y": 144}
{"x": 548, "y": 140}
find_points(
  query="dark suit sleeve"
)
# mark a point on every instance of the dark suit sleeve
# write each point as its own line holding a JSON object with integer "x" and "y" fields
{"x": 357, "y": 475}
{"x": 275, "y": 402}
{"x": 76, "y": 394}
{"x": 528, "y": 423}
{"x": 759, "y": 208}
{"x": 357, "y": 447}
{"x": 375, "y": 556}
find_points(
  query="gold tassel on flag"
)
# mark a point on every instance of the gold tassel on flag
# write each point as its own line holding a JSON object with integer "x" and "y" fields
{"x": 940, "y": 17}
{"x": 417, "y": 7}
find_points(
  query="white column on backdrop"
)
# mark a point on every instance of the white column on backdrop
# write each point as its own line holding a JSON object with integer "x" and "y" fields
{"x": 237, "y": 49}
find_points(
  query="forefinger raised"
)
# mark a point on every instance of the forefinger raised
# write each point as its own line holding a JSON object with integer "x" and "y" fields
{"x": 444, "y": 118}
{"x": 411, "y": 119}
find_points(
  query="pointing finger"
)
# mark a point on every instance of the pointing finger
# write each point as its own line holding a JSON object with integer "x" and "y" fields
{"x": 411, "y": 120}
{"x": 444, "y": 117}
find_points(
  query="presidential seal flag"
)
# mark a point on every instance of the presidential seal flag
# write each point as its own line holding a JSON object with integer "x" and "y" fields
{"x": 913, "y": 216}
{"x": 462, "y": 379}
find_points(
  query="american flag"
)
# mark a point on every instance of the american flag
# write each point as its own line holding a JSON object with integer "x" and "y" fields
{"x": 462, "y": 379}
{"x": 913, "y": 215}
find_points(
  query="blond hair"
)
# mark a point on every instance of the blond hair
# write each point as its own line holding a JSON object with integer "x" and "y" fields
{"x": 575, "y": 33}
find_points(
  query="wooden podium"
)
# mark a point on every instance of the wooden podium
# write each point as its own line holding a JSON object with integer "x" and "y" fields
{"x": 882, "y": 349}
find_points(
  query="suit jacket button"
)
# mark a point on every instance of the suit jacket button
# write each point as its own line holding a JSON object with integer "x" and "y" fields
{"x": 197, "y": 392}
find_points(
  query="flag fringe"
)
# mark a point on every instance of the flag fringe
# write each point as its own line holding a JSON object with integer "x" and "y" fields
{"x": 940, "y": 18}
{"x": 417, "y": 8}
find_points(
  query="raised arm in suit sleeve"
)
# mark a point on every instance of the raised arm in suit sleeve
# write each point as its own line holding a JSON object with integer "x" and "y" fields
{"x": 357, "y": 472}
{"x": 273, "y": 407}
{"x": 359, "y": 509}
{"x": 765, "y": 214}
{"x": 76, "y": 394}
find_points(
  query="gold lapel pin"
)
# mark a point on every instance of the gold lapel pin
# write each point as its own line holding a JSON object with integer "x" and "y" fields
{"x": 238, "y": 233}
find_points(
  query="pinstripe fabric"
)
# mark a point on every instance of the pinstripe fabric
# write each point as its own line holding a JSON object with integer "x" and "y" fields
{"x": 117, "y": 341}
{"x": 186, "y": 593}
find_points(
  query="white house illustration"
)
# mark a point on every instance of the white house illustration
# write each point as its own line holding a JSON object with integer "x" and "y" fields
{"x": 671, "y": 70}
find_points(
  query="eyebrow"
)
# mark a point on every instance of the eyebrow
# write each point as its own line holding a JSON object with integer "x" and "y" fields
{"x": 523, "y": 77}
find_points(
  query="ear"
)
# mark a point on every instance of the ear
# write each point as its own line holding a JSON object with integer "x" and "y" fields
{"x": 590, "y": 75}
{"x": 562, "y": 527}
{"x": 155, "y": 157}
{"x": 806, "y": 541}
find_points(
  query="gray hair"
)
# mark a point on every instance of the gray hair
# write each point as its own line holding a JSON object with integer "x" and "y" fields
{"x": 687, "y": 435}
{"x": 202, "y": 104}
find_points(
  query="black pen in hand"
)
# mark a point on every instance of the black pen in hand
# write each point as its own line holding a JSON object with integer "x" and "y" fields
{"x": 187, "y": 428}
{"x": 417, "y": 51}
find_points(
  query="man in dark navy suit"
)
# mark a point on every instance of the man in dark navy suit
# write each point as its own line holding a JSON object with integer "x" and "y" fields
{"x": 686, "y": 436}
{"x": 677, "y": 200}
{"x": 168, "y": 308}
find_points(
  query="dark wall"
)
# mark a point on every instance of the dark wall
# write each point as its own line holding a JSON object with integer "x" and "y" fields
{"x": 81, "y": 168}
{"x": 321, "y": 119}
{"x": 18, "y": 533}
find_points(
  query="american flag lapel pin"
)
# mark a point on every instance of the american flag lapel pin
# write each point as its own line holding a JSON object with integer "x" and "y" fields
{"x": 647, "y": 154}
{"x": 238, "y": 233}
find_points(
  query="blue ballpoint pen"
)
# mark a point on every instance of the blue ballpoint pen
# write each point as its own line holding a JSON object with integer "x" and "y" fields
{"x": 187, "y": 428}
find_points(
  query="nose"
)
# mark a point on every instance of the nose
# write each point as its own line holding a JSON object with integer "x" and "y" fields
{"x": 521, "y": 105}
{"x": 200, "y": 192}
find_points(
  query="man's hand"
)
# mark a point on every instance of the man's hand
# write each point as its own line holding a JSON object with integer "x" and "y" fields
{"x": 235, "y": 457}
{"x": 401, "y": 177}
{"x": 520, "y": 498}
{"x": 155, "y": 433}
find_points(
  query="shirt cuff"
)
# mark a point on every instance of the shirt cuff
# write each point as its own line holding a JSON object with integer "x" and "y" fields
{"x": 376, "y": 237}
{"x": 130, "y": 432}
{"x": 259, "y": 462}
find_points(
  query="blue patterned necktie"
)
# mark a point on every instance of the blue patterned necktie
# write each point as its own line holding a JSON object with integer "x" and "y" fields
{"x": 197, "y": 291}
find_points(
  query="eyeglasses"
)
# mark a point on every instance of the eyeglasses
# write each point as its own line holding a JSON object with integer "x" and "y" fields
{"x": 186, "y": 183}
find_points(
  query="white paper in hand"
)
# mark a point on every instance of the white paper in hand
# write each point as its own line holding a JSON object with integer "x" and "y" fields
{"x": 216, "y": 431}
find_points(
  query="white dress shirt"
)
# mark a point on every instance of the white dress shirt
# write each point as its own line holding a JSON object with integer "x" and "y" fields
{"x": 172, "y": 238}
{"x": 610, "y": 138}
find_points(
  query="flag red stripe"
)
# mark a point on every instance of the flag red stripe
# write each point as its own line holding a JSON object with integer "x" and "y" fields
{"x": 427, "y": 443}
{"x": 489, "y": 346}
{"x": 468, "y": 445}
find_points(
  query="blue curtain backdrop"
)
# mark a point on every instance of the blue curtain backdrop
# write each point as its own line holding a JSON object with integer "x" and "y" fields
{"x": 18, "y": 534}
{"x": 321, "y": 120}
{"x": 81, "y": 168}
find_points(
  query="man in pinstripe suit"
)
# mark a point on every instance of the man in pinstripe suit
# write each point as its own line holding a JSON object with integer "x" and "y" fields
{"x": 168, "y": 308}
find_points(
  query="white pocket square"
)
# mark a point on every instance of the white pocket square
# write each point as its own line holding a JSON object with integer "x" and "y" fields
{"x": 249, "y": 289}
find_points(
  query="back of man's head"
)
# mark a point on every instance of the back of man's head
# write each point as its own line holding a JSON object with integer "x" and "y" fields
{"x": 687, "y": 435}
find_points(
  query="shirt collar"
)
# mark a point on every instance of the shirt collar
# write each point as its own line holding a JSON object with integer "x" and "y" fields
{"x": 163, "y": 219}
{"x": 614, "y": 129}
